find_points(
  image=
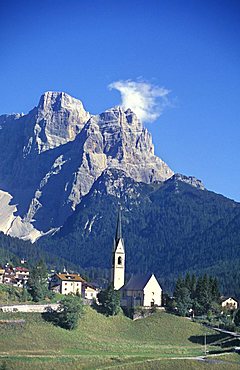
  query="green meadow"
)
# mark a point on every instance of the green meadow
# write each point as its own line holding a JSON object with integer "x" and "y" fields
{"x": 161, "y": 341}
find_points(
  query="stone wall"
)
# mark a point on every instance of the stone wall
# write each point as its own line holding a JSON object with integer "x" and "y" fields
{"x": 28, "y": 307}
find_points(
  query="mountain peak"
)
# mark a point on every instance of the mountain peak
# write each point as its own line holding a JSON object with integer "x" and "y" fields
{"x": 57, "y": 100}
{"x": 58, "y": 120}
{"x": 51, "y": 178}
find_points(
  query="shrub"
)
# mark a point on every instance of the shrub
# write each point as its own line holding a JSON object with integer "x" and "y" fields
{"x": 67, "y": 314}
{"x": 109, "y": 301}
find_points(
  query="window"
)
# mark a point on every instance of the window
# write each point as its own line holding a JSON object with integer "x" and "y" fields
{"x": 119, "y": 260}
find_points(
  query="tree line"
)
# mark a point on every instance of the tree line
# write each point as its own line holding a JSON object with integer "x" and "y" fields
{"x": 196, "y": 295}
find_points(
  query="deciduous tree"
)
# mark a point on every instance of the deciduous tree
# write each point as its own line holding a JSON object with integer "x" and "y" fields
{"x": 109, "y": 300}
{"x": 69, "y": 311}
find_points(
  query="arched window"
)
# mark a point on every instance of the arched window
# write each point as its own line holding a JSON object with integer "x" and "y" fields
{"x": 119, "y": 260}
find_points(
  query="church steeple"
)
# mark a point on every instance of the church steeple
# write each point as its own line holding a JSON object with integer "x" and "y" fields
{"x": 119, "y": 227}
{"x": 118, "y": 261}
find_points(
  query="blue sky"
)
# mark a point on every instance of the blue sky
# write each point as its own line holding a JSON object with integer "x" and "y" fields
{"x": 191, "y": 48}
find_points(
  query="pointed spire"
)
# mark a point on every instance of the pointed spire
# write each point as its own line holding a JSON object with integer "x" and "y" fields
{"x": 119, "y": 226}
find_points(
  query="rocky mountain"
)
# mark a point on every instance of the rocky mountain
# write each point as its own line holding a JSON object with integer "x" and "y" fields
{"x": 53, "y": 155}
{"x": 63, "y": 169}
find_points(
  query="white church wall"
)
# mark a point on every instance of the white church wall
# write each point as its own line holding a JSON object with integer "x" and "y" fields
{"x": 152, "y": 293}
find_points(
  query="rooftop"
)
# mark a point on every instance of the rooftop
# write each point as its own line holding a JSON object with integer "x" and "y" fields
{"x": 71, "y": 277}
{"x": 137, "y": 282}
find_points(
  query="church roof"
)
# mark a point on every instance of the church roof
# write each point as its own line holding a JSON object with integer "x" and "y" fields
{"x": 137, "y": 282}
{"x": 223, "y": 298}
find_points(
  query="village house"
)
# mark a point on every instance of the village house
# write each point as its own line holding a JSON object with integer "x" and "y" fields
{"x": 89, "y": 292}
{"x": 65, "y": 283}
{"x": 21, "y": 276}
{"x": 2, "y": 272}
{"x": 21, "y": 273}
{"x": 9, "y": 275}
{"x": 230, "y": 303}
{"x": 140, "y": 290}
{"x": 16, "y": 276}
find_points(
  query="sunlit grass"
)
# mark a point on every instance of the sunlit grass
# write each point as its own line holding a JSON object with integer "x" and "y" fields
{"x": 101, "y": 342}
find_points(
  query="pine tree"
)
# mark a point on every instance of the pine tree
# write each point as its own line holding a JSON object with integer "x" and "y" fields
{"x": 179, "y": 285}
{"x": 237, "y": 318}
{"x": 214, "y": 289}
{"x": 193, "y": 286}
{"x": 38, "y": 283}
{"x": 187, "y": 281}
{"x": 182, "y": 295}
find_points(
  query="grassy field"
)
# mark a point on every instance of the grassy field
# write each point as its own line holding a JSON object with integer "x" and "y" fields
{"x": 161, "y": 341}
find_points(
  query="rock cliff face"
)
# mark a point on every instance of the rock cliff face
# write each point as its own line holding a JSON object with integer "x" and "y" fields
{"x": 52, "y": 156}
{"x": 191, "y": 180}
{"x": 56, "y": 120}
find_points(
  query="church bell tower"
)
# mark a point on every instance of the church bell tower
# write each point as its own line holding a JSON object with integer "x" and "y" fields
{"x": 118, "y": 260}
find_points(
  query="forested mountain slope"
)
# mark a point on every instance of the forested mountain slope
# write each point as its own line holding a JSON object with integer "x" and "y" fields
{"x": 168, "y": 228}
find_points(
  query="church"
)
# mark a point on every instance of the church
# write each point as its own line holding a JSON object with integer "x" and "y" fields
{"x": 140, "y": 290}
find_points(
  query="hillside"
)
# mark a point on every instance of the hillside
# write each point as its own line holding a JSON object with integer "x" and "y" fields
{"x": 101, "y": 342}
{"x": 169, "y": 228}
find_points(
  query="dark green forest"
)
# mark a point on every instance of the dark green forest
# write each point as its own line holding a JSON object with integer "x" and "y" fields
{"x": 169, "y": 228}
{"x": 12, "y": 250}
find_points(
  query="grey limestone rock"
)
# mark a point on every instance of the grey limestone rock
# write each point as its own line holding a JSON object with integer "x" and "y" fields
{"x": 56, "y": 120}
{"x": 191, "y": 180}
{"x": 53, "y": 155}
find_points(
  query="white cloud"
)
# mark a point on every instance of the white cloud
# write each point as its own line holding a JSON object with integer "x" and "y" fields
{"x": 147, "y": 101}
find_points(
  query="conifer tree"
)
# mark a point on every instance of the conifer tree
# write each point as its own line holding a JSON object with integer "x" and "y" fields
{"x": 38, "y": 283}
{"x": 187, "y": 282}
{"x": 182, "y": 296}
{"x": 214, "y": 289}
{"x": 179, "y": 285}
{"x": 193, "y": 286}
{"x": 237, "y": 318}
{"x": 201, "y": 294}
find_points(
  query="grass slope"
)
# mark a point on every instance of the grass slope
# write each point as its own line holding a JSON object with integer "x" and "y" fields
{"x": 101, "y": 342}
